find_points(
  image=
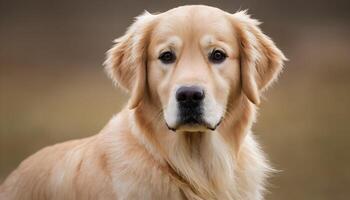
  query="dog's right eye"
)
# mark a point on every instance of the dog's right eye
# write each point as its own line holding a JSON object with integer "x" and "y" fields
{"x": 167, "y": 57}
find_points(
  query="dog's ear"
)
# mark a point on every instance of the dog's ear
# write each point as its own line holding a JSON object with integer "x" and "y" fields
{"x": 127, "y": 59}
{"x": 261, "y": 61}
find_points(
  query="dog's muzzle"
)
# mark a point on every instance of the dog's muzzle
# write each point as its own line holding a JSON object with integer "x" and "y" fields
{"x": 190, "y": 105}
{"x": 190, "y": 102}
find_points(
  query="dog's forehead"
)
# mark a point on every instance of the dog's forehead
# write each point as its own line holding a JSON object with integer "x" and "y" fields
{"x": 194, "y": 22}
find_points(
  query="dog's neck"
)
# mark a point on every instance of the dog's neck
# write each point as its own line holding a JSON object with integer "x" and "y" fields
{"x": 200, "y": 158}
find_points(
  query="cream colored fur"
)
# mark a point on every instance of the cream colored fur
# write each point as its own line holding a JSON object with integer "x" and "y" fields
{"x": 135, "y": 156}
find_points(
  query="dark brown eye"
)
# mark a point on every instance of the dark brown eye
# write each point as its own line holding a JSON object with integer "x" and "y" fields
{"x": 167, "y": 57}
{"x": 217, "y": 56}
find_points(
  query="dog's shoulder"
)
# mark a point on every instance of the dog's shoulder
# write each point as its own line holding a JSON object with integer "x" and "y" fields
{"x": 61, "y": 170}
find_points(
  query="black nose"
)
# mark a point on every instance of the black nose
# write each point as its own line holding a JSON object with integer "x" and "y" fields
{"x": 189, "y": 94}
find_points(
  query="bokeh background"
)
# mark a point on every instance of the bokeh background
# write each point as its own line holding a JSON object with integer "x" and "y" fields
{"x": 53, "y": 87}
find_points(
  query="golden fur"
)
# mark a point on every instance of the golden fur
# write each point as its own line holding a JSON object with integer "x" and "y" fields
{"x": 135, "y": 156}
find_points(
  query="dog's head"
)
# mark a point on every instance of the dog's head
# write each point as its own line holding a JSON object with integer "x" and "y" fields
{"x": 192, "y": 61}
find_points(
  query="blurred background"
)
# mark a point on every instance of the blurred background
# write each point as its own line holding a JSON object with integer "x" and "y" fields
{"x": 53, "y": 87}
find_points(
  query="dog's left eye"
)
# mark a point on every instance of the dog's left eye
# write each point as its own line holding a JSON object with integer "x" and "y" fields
{"x": 217, "y": 56}
{"x": 167, "y": 57}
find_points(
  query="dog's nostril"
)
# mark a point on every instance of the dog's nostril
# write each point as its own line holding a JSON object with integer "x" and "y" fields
{"x": 198, "y": 95}
{"x": 181, "y": 96}
{"x": 189, "y": 93}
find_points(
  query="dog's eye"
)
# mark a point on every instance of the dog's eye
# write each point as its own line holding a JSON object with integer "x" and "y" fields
{"x": 167, "y": 57}
{"x": 217, "y": 56}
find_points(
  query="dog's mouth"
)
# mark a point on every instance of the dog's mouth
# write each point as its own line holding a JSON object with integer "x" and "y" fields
{"x": 192, "y": 112}
{"x": 193, "y": 125}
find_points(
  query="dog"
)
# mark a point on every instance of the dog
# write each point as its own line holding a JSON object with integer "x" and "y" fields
{"x": 195, "y": 76}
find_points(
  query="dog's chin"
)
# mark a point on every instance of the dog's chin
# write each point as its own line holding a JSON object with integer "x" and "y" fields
{"x": 194, "y": 127}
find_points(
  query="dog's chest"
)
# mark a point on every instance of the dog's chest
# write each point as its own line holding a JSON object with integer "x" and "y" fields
{"x": 148, "y": 187}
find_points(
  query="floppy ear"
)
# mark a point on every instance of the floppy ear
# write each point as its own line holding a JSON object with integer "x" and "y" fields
{"x": 126, "y": 60}
{"x": 261, "y": 60}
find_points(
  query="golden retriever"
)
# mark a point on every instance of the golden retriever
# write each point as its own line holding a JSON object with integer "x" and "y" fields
{"x": 195, "y": 76}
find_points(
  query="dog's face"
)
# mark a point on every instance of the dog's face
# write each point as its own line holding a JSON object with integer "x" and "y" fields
{"x": 192, "y": 67}
{"x": 192, "y": 61}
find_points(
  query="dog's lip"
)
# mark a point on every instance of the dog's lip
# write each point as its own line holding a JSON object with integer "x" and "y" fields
{"x": 170, "y": 128}
{"x": 217, "y": 124}
{"x": 194, "y": 125}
